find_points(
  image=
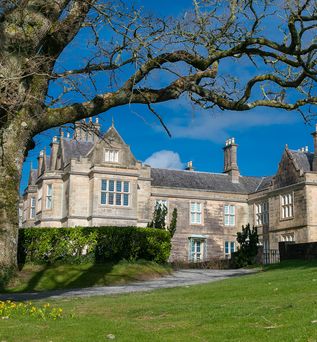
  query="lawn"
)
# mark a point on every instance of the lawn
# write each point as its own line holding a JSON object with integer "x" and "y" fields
{"x": 42, "y": 278}
{"x": 277, "y": 304}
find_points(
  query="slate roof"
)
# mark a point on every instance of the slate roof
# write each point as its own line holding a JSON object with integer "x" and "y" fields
{"x": 264, "y": 184}
{"x": 206, "y": 181}
{"x": 303, "y": 160}
{"x": 75, "y": 149}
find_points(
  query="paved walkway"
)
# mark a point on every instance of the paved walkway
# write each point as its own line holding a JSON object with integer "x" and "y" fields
{"x": 178, "y": 278}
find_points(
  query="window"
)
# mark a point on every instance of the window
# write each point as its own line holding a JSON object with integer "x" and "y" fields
{"x": 288, "y": 237}
{"x": 32, "y": 207}
{"x": 195, "y": 213}
{"x": 262, "y": 213}
{"x": 196, "y": 249}
{"x": 229, "y": 215}
{"x": 115, "y": 192}
{"x": 286, "y": 206}
{"x": 112, "y": 156}
{"x": 230, "y": 247}
{"x": 49, "y": 193}
{"x": 39, "y": 199}
{"x": 161, "y": 202}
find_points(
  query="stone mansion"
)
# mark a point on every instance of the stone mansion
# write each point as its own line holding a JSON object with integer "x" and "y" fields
{"x": 91, "y": 181}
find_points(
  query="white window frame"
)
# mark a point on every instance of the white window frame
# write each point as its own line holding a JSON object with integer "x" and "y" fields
{"x": 287, "y": 206}
{"x": 197, "y": 249}
{"x": 261, "y": 213}
{"x": 111, "y": 156}
{"x": 115, "y": 192}
{"x": 289, "y": 237}
{"x": 164, "y": 202}
{"x": 49, "y": 196}
{"x": 39, "y": 198}
{"x": 196, "y": 213}
{"x": 229, "y": 215}
{"x": 229, "y": 248}
{"x": 32, "y": 207}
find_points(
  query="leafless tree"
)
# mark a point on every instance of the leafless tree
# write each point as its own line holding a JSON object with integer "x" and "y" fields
{"x": 274, "y": 40}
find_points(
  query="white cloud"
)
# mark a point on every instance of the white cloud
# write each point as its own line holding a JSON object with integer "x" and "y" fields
{"x": 165, "y": 160}
{"x": 219, "y": 126}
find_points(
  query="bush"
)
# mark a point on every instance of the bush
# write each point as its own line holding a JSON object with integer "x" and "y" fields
{"x": 248, "y": 247}
{"x": 86, "y": 244}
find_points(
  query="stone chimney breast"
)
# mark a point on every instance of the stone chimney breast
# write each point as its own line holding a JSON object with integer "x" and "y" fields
{"x": 230, "y": 159}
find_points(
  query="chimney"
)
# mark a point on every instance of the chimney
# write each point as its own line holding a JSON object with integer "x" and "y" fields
{"x": 97, "y": 126}
{"x": 230, "y": 160}
{"x": 189, "y": 166}
{"x": 54, "y": 148}
{"x": 314, "y": 134}
{"x": 78, "y": 131}
{"x": 40, "y": 160}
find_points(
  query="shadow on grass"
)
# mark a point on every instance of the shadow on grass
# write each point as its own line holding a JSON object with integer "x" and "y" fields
{"x": 56, "y": 277}
{"x": 38, "y": 278}
{"x": 291, "y": 264}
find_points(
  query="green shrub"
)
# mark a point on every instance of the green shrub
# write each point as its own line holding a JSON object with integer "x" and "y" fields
{"x": 86, "y": 244}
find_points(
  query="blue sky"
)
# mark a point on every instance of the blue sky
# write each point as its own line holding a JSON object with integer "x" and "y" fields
{"x": 197, "y": 135}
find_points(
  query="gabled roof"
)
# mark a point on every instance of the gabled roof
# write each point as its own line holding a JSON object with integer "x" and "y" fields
{"x": 302, "y": 160}
{"x": 75, "y": 149}
{"x": 204, "y": 181}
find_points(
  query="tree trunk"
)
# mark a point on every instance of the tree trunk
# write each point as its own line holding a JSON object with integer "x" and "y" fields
{"x": 9, "y": 199}
{"x": 13, "y": 146}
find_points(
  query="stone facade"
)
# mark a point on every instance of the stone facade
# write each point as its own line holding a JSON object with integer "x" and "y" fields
{"x": 93, "y": 181}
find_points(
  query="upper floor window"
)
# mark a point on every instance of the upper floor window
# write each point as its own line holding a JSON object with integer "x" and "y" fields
{"x": 230, "y": 247}
{"x": 287, "y": 210}
{"x": 32, "y": 207}
{"x": 195, "y": 213}
{"x": 262, "y": 213}
{"x": 49, "y": 196}
{"x": 115, "y": 192}
{"x": 39, "y": 199}
{"x": 229, "y": 212}
{"x": 112, "y": 156}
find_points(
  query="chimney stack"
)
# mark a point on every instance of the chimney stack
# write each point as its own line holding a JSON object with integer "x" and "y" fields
{"x": 40, "y": 160}
{"x": 314, "y": 134}
{"x": 54, "y": 149}
{"x": 189, "y": 166}
{"x": 230, "y": 160}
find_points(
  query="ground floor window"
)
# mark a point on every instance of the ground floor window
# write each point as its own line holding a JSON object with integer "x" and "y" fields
{"x": 197, "y": 249}
{"x": 230, "y": 248}
{"x": 288, "y": 237}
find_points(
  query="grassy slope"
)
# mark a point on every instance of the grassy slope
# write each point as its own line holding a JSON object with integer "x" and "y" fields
{"x": 42, "y": 278}
{"x": 276, "y": 305}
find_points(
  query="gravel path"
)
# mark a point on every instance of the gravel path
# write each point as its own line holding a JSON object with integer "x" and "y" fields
{"x": 178, "y": 278}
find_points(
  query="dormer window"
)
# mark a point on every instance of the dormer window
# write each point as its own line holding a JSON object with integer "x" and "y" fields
{"x": 112, "y": 156}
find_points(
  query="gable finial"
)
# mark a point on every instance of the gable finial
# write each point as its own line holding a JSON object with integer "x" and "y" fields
{"x": 112, "y": 123}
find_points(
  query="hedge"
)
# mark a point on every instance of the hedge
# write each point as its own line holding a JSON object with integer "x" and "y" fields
{"x": 97, "y": 244}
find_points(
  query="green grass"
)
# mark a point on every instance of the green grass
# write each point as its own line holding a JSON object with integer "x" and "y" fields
{"x": 43, "y": 278}
{"x": 278, "y": 304}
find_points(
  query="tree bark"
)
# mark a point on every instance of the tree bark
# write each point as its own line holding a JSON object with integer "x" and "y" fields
{"x": 14, "y": 141}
